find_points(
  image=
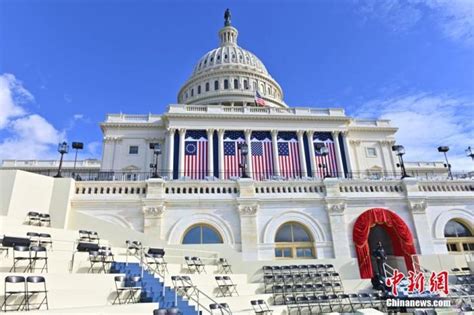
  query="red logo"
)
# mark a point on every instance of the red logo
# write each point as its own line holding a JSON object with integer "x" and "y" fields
{"x": 438, "y": 282}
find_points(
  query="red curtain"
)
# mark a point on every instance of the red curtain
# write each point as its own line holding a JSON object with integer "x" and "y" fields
{"x": 402, "y": 239}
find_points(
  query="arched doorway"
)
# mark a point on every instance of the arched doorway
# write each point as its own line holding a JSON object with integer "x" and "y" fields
{"x": 384, "y": 222}
{"x": 293, "y": 240}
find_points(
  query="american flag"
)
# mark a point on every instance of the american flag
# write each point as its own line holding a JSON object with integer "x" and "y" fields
{"x": 325, "y": 165}
{"x": 232, "y": 156}
{"x": 195, "y": 154}
{"x": 288, "y": 155}
{"x": 259, "y": 99}
{"x": 262, "y": 155}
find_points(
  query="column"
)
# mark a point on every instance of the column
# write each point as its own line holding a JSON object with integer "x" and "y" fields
{"x": 210, "y": 152}
{"x": 347, "y": 149}
{"x": 276, "y": 165}
{"x": 220, "y": 145}
{"x": 248, "y": 138}
{"x": 170, "y": 143}
{"x": 304, "y": 171}
{"x": 249, "y": 231}
{"x": 182, "y": 138}
{"x": 339, "y": 230}
{"x": 312, "y": 154}
{"x": 340, "y": 166}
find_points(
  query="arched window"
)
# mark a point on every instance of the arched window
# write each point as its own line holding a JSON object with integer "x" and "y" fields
{"x": 236, "y": 84}
{"x": 246, "y": 84}
{"x": 226, "y": 84}
{"x": 202, "y": 234}
{"x": 293, "y": 240}
{"x": 207, "y": 86}
{"x": 216, "y": 85}
{"x": 459, "y": 236}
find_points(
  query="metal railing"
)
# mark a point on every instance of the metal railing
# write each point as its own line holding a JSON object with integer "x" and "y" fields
{"x": 119, "y": 175}
{"x": 197, "y": 298}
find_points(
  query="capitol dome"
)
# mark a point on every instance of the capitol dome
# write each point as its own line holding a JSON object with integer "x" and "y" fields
{"x": 230, "y": 75}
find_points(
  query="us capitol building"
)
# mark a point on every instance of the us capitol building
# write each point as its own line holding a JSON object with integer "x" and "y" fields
{"x": 239, "y": 166}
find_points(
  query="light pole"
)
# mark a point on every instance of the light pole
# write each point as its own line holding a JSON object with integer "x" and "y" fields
{"x": 323, "y": 151}
{"x": 444, "y": 150}
{"x": 76, "y": 146}
{"x": 63, "y": 148}
{"x": 400, "y": 152}
{"x": 156, "y": 147}
{"x": 470, "y": 153}
{"x": 244, "y": 151}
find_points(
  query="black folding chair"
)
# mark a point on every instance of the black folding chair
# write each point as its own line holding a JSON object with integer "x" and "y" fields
{"x": 95, "y": 258}
{"x": 35, "y": 287}
{"x": 222, "y": 288}
{"x": 84, "y": 236}
{"x": 224, "y": 266}
{"x": 134, "y": 284}
{"x": 15, "y": 291}
{"x": 260, "y": 307}
{"x": 190, "y": 264}
{"x": 198, "y": 264}
{"x": 21, "y": 254}
{"x": 215, "y": 308}
{"x": 38, "y": 254}
{"x": 45, "y": 240}
{"x": 34, "y": 238}
{"x": 188, "y": 286}
{"x": 32, "y": 218}
{"x": 157, "y": 263}
{"x": 44, "y": 219}
{"x": 121, "y": 289}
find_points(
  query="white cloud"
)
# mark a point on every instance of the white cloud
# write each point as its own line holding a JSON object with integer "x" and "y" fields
{"x": 426, "y": 121}
{"x": 93, "y": 149}
{"x": 455, "y": 18}
{"x": 28, "y": 136}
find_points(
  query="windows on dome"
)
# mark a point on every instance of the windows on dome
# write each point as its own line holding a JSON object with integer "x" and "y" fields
{"x": 207, "y": 86}
{"x": 292, "y": 240}
{"x": 226, "y": 84}
{"x": 202, "y": 234}
{"x": 246, "y": 84}
{"x": 236, "y": 84}
{"x": 216, "y": 85}
{"x": 254, "y": 85}
{"x": 192, "y": 92}
{"x": 199, "y": 89}
{"x": 459, "y": 236}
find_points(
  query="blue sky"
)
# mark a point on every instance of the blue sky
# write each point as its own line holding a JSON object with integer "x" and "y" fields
{"x": 65, "y": 64}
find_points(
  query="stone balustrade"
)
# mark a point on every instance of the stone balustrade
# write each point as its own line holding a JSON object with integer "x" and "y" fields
{"x": 111, "y": 188}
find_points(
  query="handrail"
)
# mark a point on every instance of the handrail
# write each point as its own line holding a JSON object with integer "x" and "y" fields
{"x": 388, "y": 270}
{"x": 207, "y": 296}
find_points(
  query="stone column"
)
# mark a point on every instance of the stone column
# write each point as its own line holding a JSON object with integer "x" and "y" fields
{"x": 339, "y": 233}
{"x": 249, "y": 231}
{"x": 220, "y": 144}
{"x": 153, "y": 219}
{"x": 276, "y": 164}
{"x": 340, "y": 166}
{"x": 347, "y": 152}
{"x": 304, "y": 171}
{"x": 210, "y": 152}
{"x": 182, "y": 138}
{"x": 312, "y": 154}
{"x": 170, "y": 147}
{"x": 248, "y": 138}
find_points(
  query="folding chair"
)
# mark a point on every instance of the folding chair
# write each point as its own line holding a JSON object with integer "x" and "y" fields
{"x": 198, "y": 264}
{"x": 232, "y": 287}
{"x": 260, "y": 307}
{"x": 346, "y": 304}
{"x": 335, "y": 303}
{"x": 160, "y": 311}
{"x": 303, "y": 304}
{"x": 224, "y": 266}
{"x": 45, "y": 240}
{"x": 107, "y": 258}
{"x": 34, "y": 238}
{"x": 329, "y": 268}
{"x": 15, "y": 289}
{"x": 215, "y": 308}
{"x": 44, "y": 219}
{"x": 84, "y": 236}
{"x": 328, "y": 289}
{"x": 278, "y": 294}
{"x": 222, "y": 287}
{"x": 21, "y": 254}
{"x": 377, "y": 301}
{"x": 268, "y": 282}
{"x": 94, "y": 237}
{"x": 35, "y": 287}
{"x": 267, "y": 270}
{"x": 365, "y": 300}
{"x": 95, "y": 258}
{"x": 324, "y": 304}
{"x": 32, "y": 218}
{"x": 190, "y": 264}
{"x": 121, "y": 289}
{"x": 225, "y": 308}
{"x": 157, "y": 263}
{"x": 135, "y": 287}
{"x": 38, "y": 254}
